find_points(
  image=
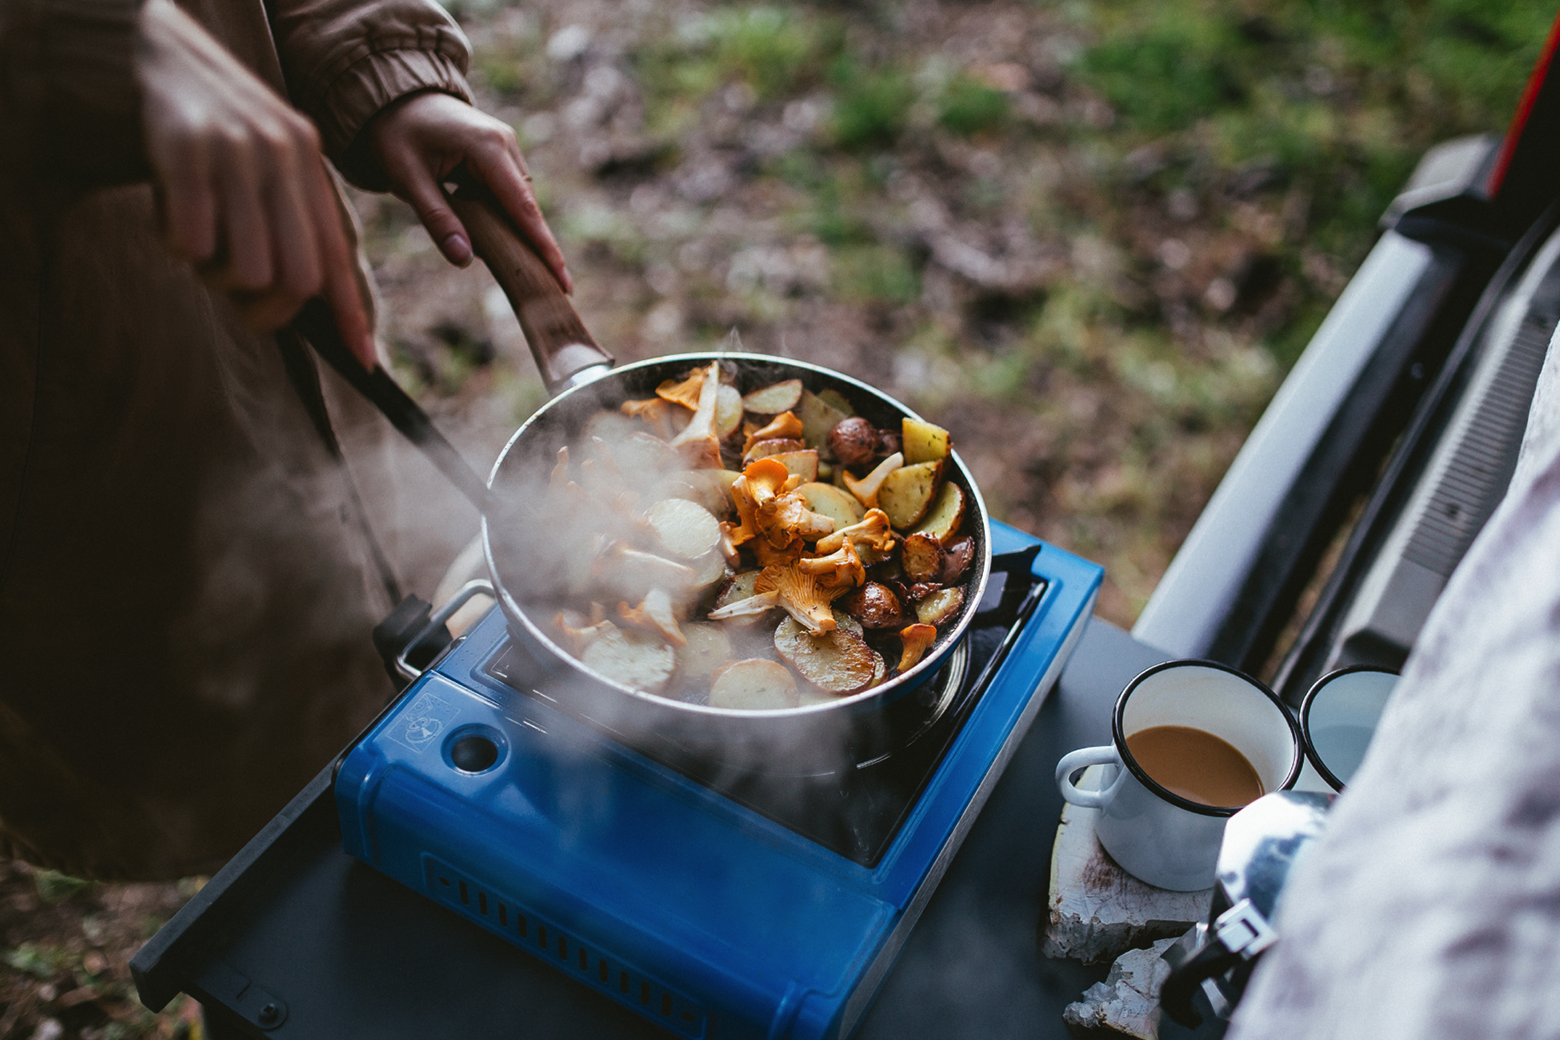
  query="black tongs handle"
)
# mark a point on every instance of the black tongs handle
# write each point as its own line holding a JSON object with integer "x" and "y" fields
{"x": 317, "y": 324}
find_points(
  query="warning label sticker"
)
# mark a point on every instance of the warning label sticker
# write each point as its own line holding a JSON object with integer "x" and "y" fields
{"x": 422, "y": 723}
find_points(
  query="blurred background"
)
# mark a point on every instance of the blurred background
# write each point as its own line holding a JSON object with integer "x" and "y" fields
{"x": 1088, "y": 238}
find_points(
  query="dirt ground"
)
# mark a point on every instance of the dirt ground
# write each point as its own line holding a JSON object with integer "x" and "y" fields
{"x": 1087, "y": 239}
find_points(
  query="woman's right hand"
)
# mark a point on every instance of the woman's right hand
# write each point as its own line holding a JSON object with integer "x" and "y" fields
{"x": 243, "y": 185}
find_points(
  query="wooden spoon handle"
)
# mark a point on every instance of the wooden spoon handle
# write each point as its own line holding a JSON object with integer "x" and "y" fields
{"x": 559, "y": 341}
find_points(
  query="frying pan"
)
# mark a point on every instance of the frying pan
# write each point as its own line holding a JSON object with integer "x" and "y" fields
{"x": 581, "y": 376}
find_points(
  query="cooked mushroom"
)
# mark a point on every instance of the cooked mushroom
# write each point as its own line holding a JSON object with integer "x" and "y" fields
{"x": 699, "y": 440}
{"x": 786, "y": 519}
{"x": 656, "y": 614}
{"x": 577, "y": 632}
{"x": 560, "y": 471}
{"x": 802, "y": 596}
{"x": 749, "y": 606}
{"x": 871, "y": 536}
{"x": 916, "y": 640}
{"x": 656, "y": 411}
{"x": 866, "y": 489}
{"x": 688, "y": 391}
{"x": 784, "y": 425}
{"x": 841, "y": 568}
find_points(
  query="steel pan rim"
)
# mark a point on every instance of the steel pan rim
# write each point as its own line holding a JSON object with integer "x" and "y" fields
{"x": 899, "y": 684}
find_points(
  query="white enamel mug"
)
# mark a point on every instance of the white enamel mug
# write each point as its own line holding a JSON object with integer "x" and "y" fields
{"x": 1155, "y": 835}
{"x": 1338, "y": 718}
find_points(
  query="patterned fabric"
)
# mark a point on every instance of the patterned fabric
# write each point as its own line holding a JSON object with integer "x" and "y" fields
{"x": 1431, "y": 907}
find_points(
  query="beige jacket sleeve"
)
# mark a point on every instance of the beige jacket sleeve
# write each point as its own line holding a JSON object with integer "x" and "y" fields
{"x": 69, "y": 101}
{"x": 344, "y": 60}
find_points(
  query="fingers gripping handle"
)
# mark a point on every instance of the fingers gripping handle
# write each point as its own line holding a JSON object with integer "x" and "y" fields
{"x": 559, "y": 341}
{"x": 1081, "y": 759}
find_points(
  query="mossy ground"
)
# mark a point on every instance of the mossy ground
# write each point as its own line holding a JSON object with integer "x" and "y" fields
{"x": 1088, "y": 238}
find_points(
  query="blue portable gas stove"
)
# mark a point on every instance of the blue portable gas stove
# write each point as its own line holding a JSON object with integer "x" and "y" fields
{"x": 715, "y": 902}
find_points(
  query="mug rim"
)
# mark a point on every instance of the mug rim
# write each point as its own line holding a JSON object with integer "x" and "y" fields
{"x": 1118, "y": 736}
{"x": 1311, "y": 753}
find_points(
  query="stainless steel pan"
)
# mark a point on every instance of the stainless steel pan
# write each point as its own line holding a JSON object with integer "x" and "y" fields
{"x": 582, "y": 377}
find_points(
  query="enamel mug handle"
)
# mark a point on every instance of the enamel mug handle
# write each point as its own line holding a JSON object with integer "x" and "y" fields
{"x": 1080, "y": 759}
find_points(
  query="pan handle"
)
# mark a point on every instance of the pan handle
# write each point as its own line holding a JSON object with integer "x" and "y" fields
{"x": 565, "y": 351}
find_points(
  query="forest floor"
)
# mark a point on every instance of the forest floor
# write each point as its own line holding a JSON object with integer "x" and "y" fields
{"x": 1089, "y": 239}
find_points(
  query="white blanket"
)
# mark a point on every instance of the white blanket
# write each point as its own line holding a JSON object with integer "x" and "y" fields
{"x": 1431, "y": 906}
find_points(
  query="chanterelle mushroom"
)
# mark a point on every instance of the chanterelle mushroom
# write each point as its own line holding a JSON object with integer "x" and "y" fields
{"x": 866, "y": 489}
{"x": 656, "y": 411}
{"x": 656, "y": 614}
{"x": 698, "y": 440}
{"x": 802, "y": 596}
{"x": 916, "y": 639}
{"x": 783, "y": 425}
{"x": 871, "y": 535}
{"x": 686, "y": 392}
{"x": 780, "y": 515}
{"x": 839, "y": 569}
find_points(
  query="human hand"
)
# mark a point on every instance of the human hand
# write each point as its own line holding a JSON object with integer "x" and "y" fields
{"x": 421, "y": 139}
{"x": 243, "y": 187}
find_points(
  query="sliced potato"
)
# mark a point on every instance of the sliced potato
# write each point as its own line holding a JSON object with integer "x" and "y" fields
{"x": 838, "y": 401}
{"x": 832, "y": 502}
{"x": 631, "y": 573}
{"x": 924, "y": 442}
{"x": 754, "y": 685}
{"x": 946, "y": 516}
{"x": 922, "y": 558}
{"x": 818, "y": 418}
{"x": 710, "y": 488}
{"x": 728, "y": 411}
{"x": 772, "y": 400}
{"x": 685, "y": 529}
{"x": 772, "y": 446}
{"x": 709, "y": 647}
{"x": 802, "y": 463}
{"x": 708, "y": 569}
{"x": 610, "y": 426}
{"x": 641, "y": 457}
{"x": 838, "y": 661}
{"x": 907, "y": 493}
{"x": 637, "y": 660}
{"x": 940, "y": 606}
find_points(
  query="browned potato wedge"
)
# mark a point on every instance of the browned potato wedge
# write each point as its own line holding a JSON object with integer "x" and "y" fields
{"x": 924, "y": 442}
{"x": 772, "y": 400}
{"x": 922, "y": 558}
{"x": 908, "y": 492}
{"x": 728, "y": 411}
{"x": 637, "y": 660}
{"x": 837, "y": 661}
{"x": 801, "y": 463}
{"x": 709, "y": 648}
{"x": 772, "y": 446}
{"x": 818, "y": 418}
{"x": 753, "y": 685}
{"x": 685, "y": 529}
{"x": 944, "y": 518}
{"x": 939, "y": 606}
{"x": 961, "y": 553}
{"x": 832, "y": 502}
{"x": 875, "y": 605}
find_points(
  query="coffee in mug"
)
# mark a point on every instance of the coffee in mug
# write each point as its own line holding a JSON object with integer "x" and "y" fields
{"x": 1196, "y": 765}
{"x": 1192, "y": 742}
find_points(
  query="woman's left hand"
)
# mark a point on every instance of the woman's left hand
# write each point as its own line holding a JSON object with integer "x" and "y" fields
{"x": 421, "y": 139}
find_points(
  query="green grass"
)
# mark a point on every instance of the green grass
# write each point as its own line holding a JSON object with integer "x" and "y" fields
{"x": 968, "y": 107}
{"x": 871, "y": 105}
